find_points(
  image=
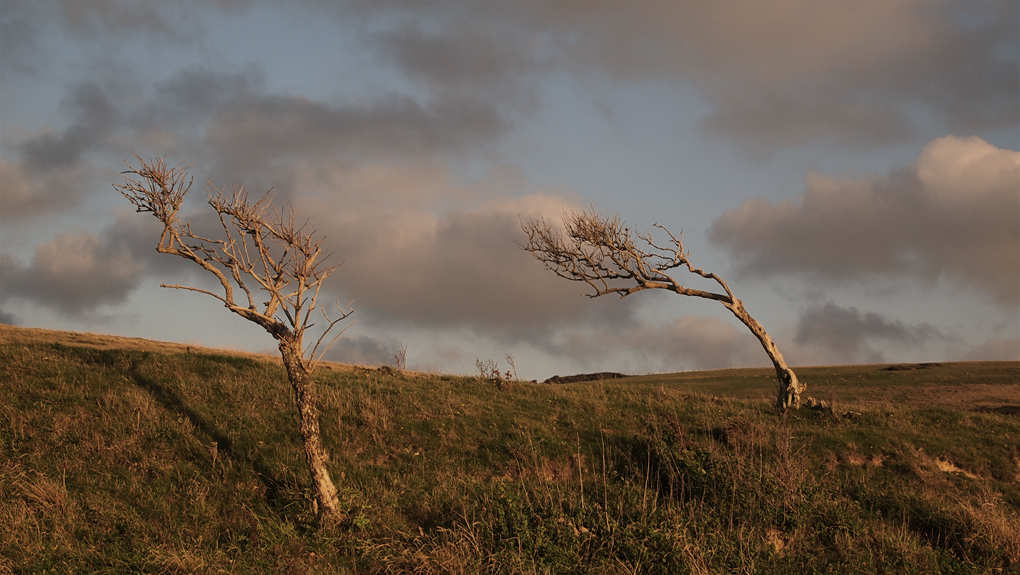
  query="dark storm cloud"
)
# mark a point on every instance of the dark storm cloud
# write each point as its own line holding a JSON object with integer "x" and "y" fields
{"x": 469, "y": 57}
{"x": 52, "y": 170}
{"x": 152, "y": 17}
{"x": 277, "y": 127}
{"x": 792, "y": 73}
{"x": 20, "y": 48}
{"x": 852, "y": 335}
{"x": 74, "y": 273}
{"x": 192, "y": 96}
{"x": 95, "y": 118}
{"x": 863, "y": 70}
{"x": 954, "y": 213}
{"x": 117, "y": 19}
{"x": 78, "y": 272}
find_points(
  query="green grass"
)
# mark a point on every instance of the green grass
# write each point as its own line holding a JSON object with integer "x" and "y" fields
{"x": 106, "y": 467}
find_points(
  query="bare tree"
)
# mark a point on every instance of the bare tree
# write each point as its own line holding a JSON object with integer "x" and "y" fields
{"x": 261, "y": 249}
{"x": 605, "y": 254}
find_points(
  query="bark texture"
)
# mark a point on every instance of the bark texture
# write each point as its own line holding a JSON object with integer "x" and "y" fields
{"x": 306, "y": 400}
{"x": 789, "y": 387}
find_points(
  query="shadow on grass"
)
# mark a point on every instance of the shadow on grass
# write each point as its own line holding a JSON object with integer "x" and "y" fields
{"x": 276, "y": 488}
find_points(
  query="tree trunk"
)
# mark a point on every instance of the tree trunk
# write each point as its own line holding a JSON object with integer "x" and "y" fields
{"x": 789, "y": 388}
{"x": 308, "y": 411}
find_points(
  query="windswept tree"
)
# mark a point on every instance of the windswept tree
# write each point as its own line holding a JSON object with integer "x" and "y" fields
{"x": 262, "y": 250}
{"x": 612, "y": 259}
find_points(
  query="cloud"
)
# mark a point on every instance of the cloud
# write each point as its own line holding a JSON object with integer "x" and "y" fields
{"x": 75, "y": 273}
{"x": 953, "y": 214}
{"x": 135, "y": 236}
{"x": 461, "y": 267}
{"x": 777, "y": 74}
{"x": 416, "y": 247}
{"x": 789, "y": 73}
{"x": 997, "y": 349}
{"x": 9, "y": 318}
{"x": 785, "y": 73}
{"x": 362, "y": 350}
{"x": 189, "y": 98}
{"x": 20, "y": 48}
{"x": 251, "y": 133}
{"x": 849, "y": 335}
{"x": 95, "y": 15}
{"x": 470, "y": 58}
{"x": 95, "y": 120}
{"x": 688, "y": 342}
{"x": 177, "y": 22}
{"x": 768, "y": 119}
{"x": 27, "y": 195}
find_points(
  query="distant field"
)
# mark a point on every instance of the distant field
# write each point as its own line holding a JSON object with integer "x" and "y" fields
{"x": 107, "y": 466}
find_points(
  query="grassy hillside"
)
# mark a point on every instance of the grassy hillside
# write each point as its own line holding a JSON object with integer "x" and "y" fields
{"x": 107, "y": 466}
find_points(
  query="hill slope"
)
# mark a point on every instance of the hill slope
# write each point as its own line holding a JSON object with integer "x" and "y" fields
{"x": 107, "y": 464}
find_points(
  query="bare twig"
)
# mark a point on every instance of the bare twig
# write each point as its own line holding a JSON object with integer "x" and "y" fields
{"x": 400, "y": 358}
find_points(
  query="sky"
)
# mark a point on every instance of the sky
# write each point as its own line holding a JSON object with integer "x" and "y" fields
{"x": 850, "y": 168}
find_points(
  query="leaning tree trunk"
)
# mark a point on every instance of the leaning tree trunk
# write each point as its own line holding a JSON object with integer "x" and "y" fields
{"x": 315, "y": 455}
{"x": 789, "y": 388}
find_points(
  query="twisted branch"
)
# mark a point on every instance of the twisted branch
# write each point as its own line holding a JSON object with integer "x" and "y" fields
{"x": 605, "y": 254}
{"x": 260, "y": 246}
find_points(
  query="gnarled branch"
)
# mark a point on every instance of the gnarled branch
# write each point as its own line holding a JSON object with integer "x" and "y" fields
{"x": 605, "y": 254}
{"x": 261, "y": 248}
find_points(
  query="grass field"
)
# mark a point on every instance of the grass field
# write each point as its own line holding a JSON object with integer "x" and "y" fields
{"x": 107, "y": 465}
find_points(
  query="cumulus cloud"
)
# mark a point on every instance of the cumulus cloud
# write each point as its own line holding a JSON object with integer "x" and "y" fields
{"x": 954, "y": 214}
{"x": 847, "y": 335}
{"x": 457, "y": 267}
{"x": 75, "y": 273}
{"x": 688, "y": 342}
